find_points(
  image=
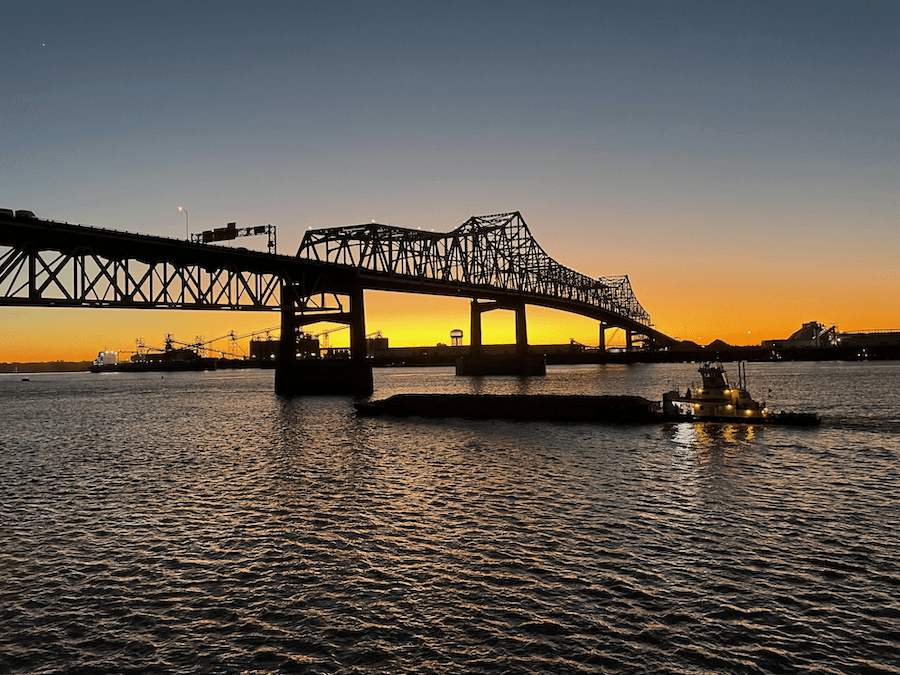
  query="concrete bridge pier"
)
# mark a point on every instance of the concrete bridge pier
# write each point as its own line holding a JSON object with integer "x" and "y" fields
{"x": 630, "y": 336}
{"x": 522, "y": 363}
{"x": 475, "y": 330}
{"x": 317, "y": 376}
{"x": 479, "y": 308}
{"x": 521, "y": 332}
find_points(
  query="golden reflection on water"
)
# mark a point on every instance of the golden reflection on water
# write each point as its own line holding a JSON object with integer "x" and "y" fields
{"x": 707, "y": 435}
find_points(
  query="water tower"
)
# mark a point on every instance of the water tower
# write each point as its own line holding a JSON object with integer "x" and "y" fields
{"x": 456, "y": 336}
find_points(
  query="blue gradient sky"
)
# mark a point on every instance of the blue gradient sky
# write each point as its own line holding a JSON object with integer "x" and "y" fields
{"x": 739, "y": 161}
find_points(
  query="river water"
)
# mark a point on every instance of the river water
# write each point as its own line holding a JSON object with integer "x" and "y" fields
{"x": 196, "y": 522}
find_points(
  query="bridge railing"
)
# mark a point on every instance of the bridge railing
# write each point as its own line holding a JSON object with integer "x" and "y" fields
{"x": 496, "y": 251}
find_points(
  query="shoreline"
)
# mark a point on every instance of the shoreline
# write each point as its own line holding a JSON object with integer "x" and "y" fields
{"x": 427, "y": 357}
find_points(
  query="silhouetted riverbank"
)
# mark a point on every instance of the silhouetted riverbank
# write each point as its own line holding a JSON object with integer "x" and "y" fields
{"x": 45, "y": 367}
{"x": 428, "y": 356}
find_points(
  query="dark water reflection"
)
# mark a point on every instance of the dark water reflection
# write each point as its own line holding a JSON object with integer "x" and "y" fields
{"x": 198, "y": 523}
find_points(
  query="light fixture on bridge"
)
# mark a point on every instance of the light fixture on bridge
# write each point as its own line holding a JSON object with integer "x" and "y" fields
{"x": 186, "y": 229}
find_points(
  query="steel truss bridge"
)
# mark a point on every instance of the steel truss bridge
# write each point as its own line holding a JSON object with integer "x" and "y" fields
{"x": 492, "y": 260}
{"x": 487, "y": 256}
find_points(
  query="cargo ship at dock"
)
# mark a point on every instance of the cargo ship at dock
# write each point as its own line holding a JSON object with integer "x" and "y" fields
{"x": 171, "y": 358}
{"x": 183, "y": 356}
{"x": 175, "y": 356}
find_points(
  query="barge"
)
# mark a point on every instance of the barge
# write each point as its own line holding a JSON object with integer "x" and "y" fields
{"x": 715, "y": 401}
{"x": 625, "y": 409}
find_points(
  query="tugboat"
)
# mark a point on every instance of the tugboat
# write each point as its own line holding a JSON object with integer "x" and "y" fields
{"x": 718, "y": 401}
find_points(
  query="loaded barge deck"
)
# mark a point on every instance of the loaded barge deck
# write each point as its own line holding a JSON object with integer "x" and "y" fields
{"x": 631, "y": 409}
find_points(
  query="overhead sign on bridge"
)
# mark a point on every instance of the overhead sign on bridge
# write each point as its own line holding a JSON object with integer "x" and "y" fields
{"x": 220, "y": 233}
{"x": 232, "y": 231}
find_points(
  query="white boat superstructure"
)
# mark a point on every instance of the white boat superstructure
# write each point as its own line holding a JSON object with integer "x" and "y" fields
{"x": 716, "y": 398}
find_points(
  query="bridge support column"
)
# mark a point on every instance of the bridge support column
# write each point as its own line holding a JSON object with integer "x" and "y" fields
{"x": 602, "y": 340}
{"x": 318, "y": 376}
{"x": 476, "y": 363}
{"x": 358, "y": 327}
{"x": 287, "y": 346}
{"x": 478, "y": 308}
{"x": 475, "y": 330}
{"x": 521, "y": 331}
{"x": 628, "y": 338}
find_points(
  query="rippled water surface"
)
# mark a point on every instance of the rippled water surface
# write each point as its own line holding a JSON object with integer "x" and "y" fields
{"x": 198, "y": 523}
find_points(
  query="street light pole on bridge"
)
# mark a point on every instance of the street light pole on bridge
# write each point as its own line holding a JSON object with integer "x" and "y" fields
{"x": 187, "y": 231}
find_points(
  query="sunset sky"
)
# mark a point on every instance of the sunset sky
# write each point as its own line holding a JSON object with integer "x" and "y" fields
{"x": 739, "y": 161}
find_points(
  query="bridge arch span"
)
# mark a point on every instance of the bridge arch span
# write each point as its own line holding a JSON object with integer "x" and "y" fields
{"x": 492, "y": 257}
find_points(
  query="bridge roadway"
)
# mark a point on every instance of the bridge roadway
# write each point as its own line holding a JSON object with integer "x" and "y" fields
{"x": 52, "y": 264}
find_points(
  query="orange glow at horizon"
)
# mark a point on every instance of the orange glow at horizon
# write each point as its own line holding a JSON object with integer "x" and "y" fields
{"x": 50, "y": 334}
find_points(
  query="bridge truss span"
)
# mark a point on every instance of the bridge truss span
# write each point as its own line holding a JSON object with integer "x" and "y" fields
{"x": 488, "y": 253}
{"x": 55, "y": 264}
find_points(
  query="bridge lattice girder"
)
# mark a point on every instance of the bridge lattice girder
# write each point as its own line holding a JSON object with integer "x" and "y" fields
{"x": 44, "y": 263}
{"x": 496, "y": 252}
{"x": 82, "y": 278}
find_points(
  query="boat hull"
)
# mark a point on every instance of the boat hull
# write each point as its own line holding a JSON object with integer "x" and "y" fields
{"x": 789, "y": 419}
